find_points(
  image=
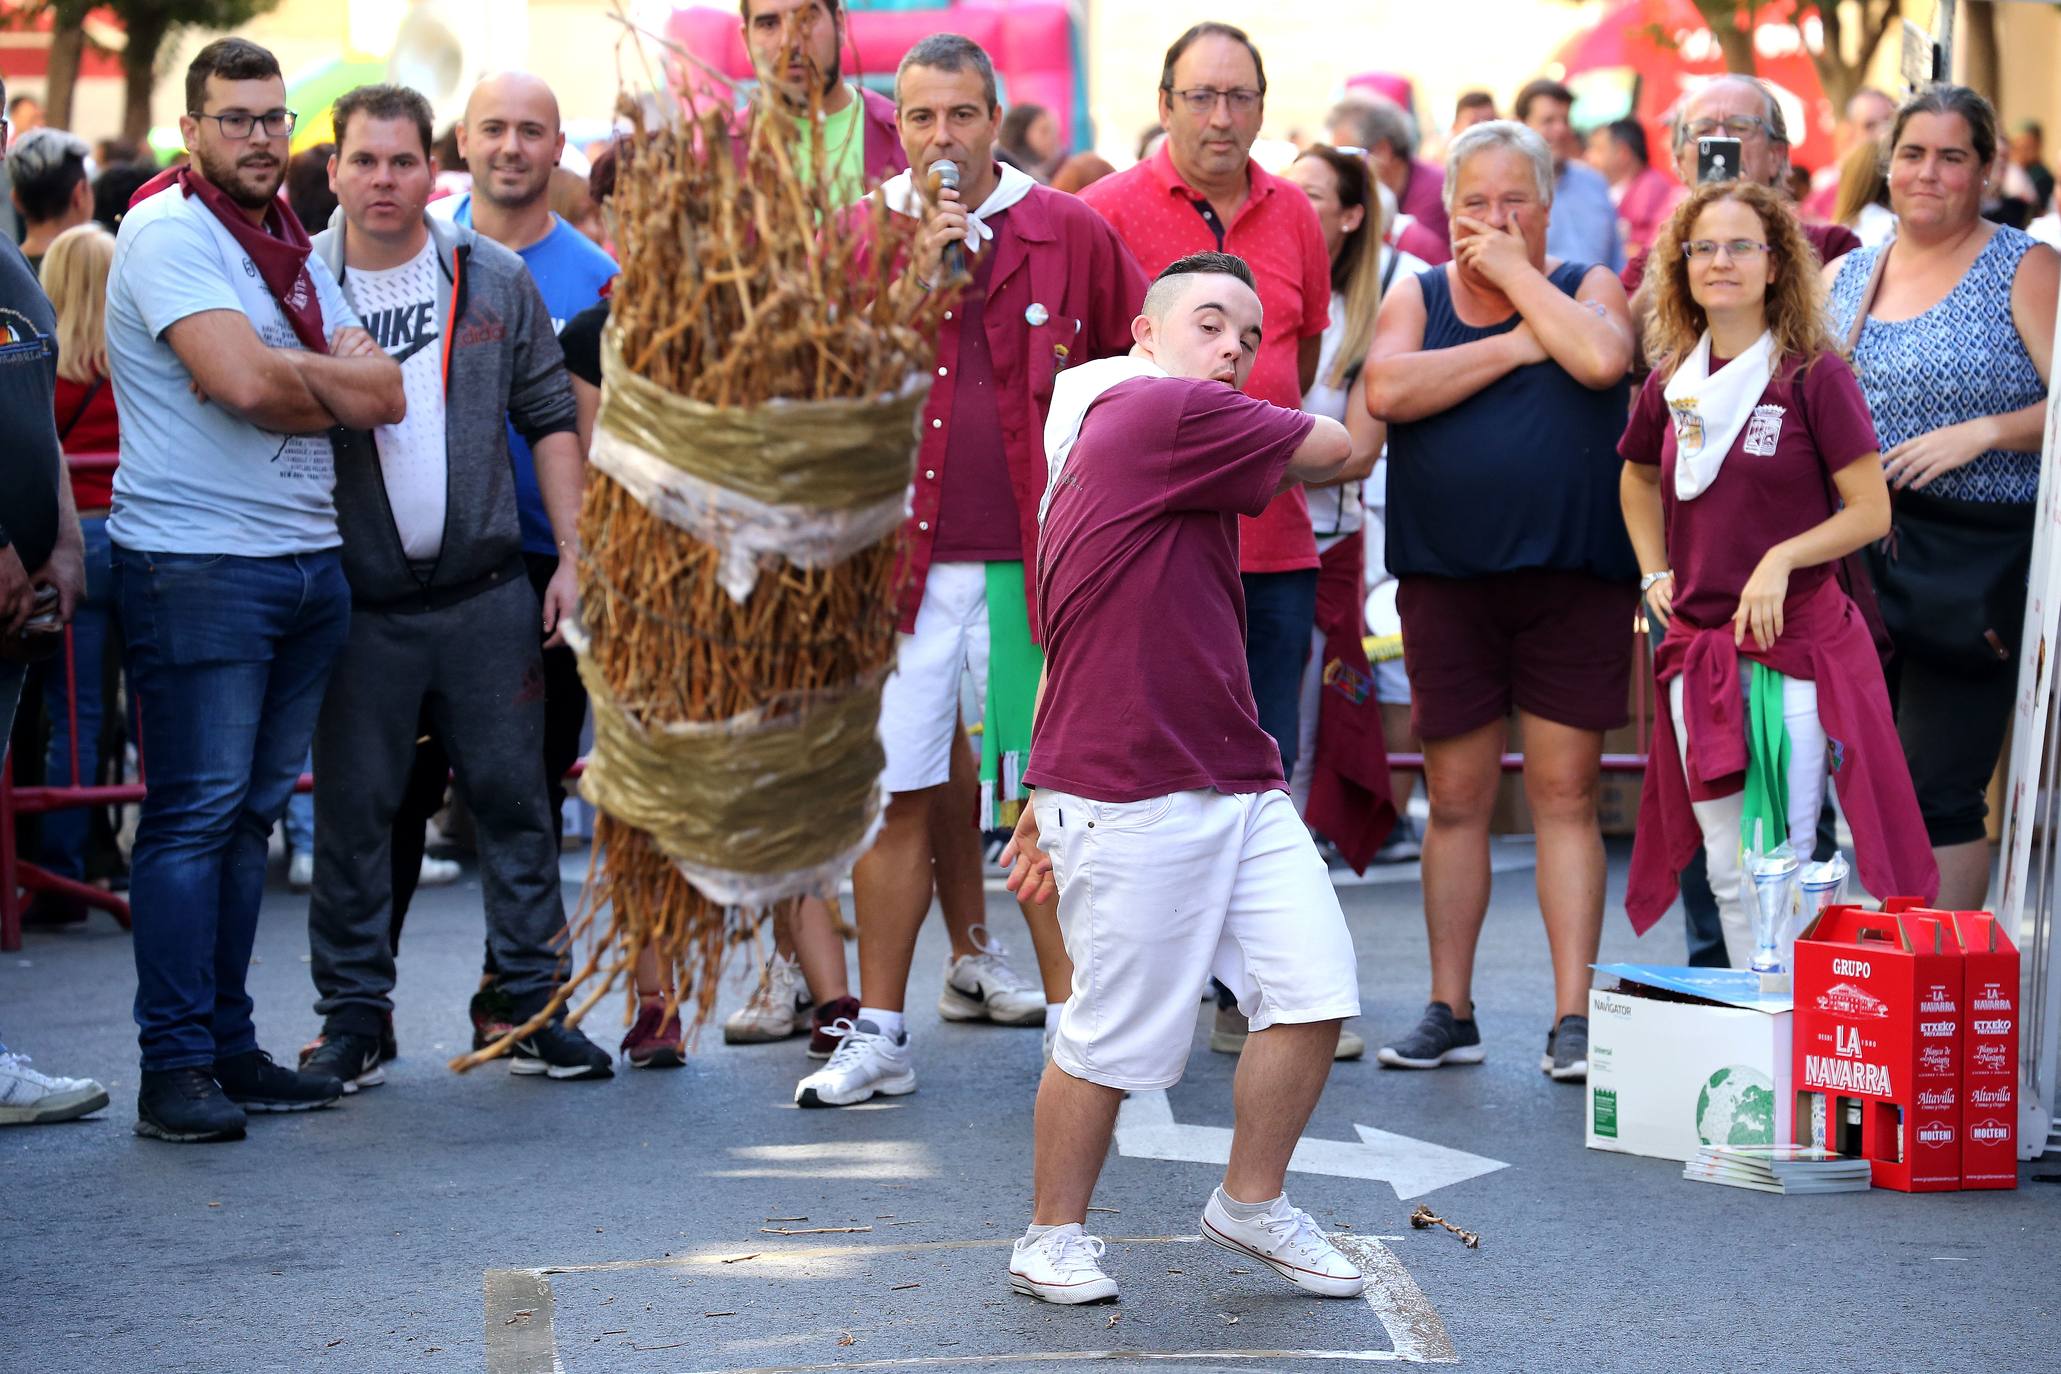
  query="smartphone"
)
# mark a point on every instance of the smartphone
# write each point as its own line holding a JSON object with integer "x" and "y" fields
{"x": 1717, "y": 159}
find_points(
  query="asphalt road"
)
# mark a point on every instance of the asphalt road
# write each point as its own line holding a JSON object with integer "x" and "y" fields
{"x": 512, "y": 1226}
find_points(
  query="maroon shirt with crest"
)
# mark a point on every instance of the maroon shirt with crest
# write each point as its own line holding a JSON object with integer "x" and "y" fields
{"x": 1775, "y": 483}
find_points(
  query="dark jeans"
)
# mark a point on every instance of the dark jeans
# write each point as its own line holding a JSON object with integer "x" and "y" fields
{"x": 474, "y": 668}
{"x": 1280, "y": 615}
{"x": 227, "y": 660}
{"x": 565, "y": 696}
{"x": 63, "y": 847}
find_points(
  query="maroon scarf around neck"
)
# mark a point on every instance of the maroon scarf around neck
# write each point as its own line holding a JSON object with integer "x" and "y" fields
{"x": 279, "y": 250}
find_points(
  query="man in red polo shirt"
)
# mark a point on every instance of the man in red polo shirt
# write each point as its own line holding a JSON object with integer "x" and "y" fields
{"x": 1201, "y": 192}
{"x": 1050, "y": 285}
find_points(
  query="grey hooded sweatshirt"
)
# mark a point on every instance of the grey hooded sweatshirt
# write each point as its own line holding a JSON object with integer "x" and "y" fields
{"x": 501, "y": 362}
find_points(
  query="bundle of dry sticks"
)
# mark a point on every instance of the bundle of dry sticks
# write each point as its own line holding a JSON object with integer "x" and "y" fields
{"x": 765, "y": 368}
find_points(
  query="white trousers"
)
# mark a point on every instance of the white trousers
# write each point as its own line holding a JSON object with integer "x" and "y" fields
{"x": 1157, "y": 895}
{"x": 1720, "y": 819}
{"x": 920, "y": 702}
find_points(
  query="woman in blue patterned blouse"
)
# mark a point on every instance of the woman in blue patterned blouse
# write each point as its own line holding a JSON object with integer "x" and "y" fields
{"x": 1954, "y": 350}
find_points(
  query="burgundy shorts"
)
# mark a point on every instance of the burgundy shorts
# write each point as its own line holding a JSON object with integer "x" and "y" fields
{"x": 1557, "y": 645}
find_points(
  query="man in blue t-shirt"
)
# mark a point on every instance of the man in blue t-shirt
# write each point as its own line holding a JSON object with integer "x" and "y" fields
{"x": 511, "y": 140}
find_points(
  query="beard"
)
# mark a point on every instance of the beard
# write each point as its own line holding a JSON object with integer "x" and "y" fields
{"x": 527, "y": 194}
{"x": 253, "y": 188}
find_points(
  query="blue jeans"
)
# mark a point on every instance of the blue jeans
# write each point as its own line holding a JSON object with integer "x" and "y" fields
{"x": 300, "y": 817}
{"x": 63, "y": 849}
{"x": 227, "y": 659}
{"x": 1280, "y": 615}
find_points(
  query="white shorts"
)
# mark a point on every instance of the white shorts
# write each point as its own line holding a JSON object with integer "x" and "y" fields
{"x": 1154, "y": 896}
{"x": 919, "y": 703}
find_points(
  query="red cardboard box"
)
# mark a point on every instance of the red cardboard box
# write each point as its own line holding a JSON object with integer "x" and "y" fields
{"x": 1989, "y": 1048}
{"x": 1878, "y": 1035}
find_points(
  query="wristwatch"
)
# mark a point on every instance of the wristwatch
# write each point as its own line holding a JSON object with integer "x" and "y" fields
{"x": 1646, "y": 582}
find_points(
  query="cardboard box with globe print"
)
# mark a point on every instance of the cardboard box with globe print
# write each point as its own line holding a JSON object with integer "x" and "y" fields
{"x": 1680, "y": 1058}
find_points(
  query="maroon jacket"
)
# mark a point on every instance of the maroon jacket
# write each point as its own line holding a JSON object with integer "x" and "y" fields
{"x": 1825, "y": 640}
{"x": 1051, "y": 251}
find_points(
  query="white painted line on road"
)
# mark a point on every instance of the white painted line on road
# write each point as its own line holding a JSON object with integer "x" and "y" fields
{"x": 1068, "y": 1356}
{"x": 528, "y": 1345}
{"x": 520, "y": 1308}
{"x": 1146, "y": 1129}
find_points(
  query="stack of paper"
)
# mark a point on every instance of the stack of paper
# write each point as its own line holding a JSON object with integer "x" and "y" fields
{"x": 1779, "y": 1169}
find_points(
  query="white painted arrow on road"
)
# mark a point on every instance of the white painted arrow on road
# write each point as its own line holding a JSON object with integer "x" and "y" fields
{"x": 1146, "y": 1129}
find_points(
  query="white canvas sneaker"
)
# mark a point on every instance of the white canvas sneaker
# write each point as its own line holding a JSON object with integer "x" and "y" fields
{"x": 1289, "y": 1241}
{"x": 983, "y": 987}
{"x": 1061, "y": 1266}
{"x": 29, "y": 1098}
{"x": 865, "y": 1062}
{"x": 778, "y": 1009}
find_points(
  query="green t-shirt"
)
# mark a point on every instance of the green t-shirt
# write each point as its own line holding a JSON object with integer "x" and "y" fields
{"x": 844, "y": 138}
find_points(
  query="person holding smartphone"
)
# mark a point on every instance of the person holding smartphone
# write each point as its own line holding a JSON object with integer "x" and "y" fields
{"x": 1751, "y": 469}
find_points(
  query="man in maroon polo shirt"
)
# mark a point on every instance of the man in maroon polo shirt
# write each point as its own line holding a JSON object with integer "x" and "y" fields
{"x": 791, "y": 39}
{"x": 1201, "y": 192}
{"x": 1050, "y": 285}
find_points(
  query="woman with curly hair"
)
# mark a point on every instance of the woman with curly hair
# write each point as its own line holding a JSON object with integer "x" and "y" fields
{"x": 1751, "y": 469}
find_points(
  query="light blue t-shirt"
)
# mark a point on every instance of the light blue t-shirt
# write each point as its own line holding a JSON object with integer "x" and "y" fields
{"x": 571, "y": 271}
{"x": 194, "y": 478}
{"x": 1583, "y": 227}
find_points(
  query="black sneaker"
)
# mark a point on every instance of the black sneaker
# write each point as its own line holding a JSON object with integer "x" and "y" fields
{"x": 256, "y": 1083}
{"x": 1439, "y": 1039}
{"x": 1566, "y": 1059}
{"x": 352, "y": 1060}
{"x": 389, "y": 1047}
{"x": 185, "y": 1106}
{"x": 558, "y": 1051}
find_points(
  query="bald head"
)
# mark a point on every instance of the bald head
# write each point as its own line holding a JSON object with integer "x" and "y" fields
{"x": 510, "y": 139}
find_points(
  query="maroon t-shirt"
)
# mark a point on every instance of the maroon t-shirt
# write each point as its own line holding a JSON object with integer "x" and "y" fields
{"x": 976, "y": 514}
{"x": 1146, "y": 691}
{"x": 1815, "y": 421}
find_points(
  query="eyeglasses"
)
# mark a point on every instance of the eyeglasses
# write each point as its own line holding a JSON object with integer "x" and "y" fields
{"x": 1703, "y": 250}
{"x": 1733, "y": 126}
{"x": 1202, "y": 100}
{"x": 237, "y": 125}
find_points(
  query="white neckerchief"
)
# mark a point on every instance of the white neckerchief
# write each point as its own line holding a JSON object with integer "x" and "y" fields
{"x": 1709, "y": 411}
{"x": 1076, "y": 389}
{"x": 902, "y": 197}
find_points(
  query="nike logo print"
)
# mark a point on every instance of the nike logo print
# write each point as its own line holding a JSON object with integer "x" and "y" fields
{"x": 419, "y": 343}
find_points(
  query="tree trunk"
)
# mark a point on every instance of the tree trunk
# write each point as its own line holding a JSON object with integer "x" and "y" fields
{"x": 1731, "y": 23}
{"x": 1839, "y": 77}
{"x": 67, "y": 46}
{"x": 147, "y": 32}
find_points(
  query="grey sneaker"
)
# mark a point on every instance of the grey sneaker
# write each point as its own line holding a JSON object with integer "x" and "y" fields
{"x": 1227, "y": 1036}
{"x": 1566, "y": 1059}
{"x": 1439, "y": 1039}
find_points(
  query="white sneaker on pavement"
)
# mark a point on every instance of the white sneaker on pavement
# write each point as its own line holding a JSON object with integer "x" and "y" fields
{"x": 300, "y": 872}
{"x": 865, "y": 1062}
{"x": 29, "y": 1098}
{"x": 1061, "y": 1266}
{"x": 438, "y": 872}
{"x": 1290, "y": 1241}
{"x": 983, "y": 987}
{"x": 779, "y": 1008}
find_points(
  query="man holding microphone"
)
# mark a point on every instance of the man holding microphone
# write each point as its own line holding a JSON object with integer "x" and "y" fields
{"x": 1046, "y": 284}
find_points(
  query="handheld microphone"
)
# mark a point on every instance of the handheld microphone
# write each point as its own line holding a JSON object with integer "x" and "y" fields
{"x": 947, "y": 174}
